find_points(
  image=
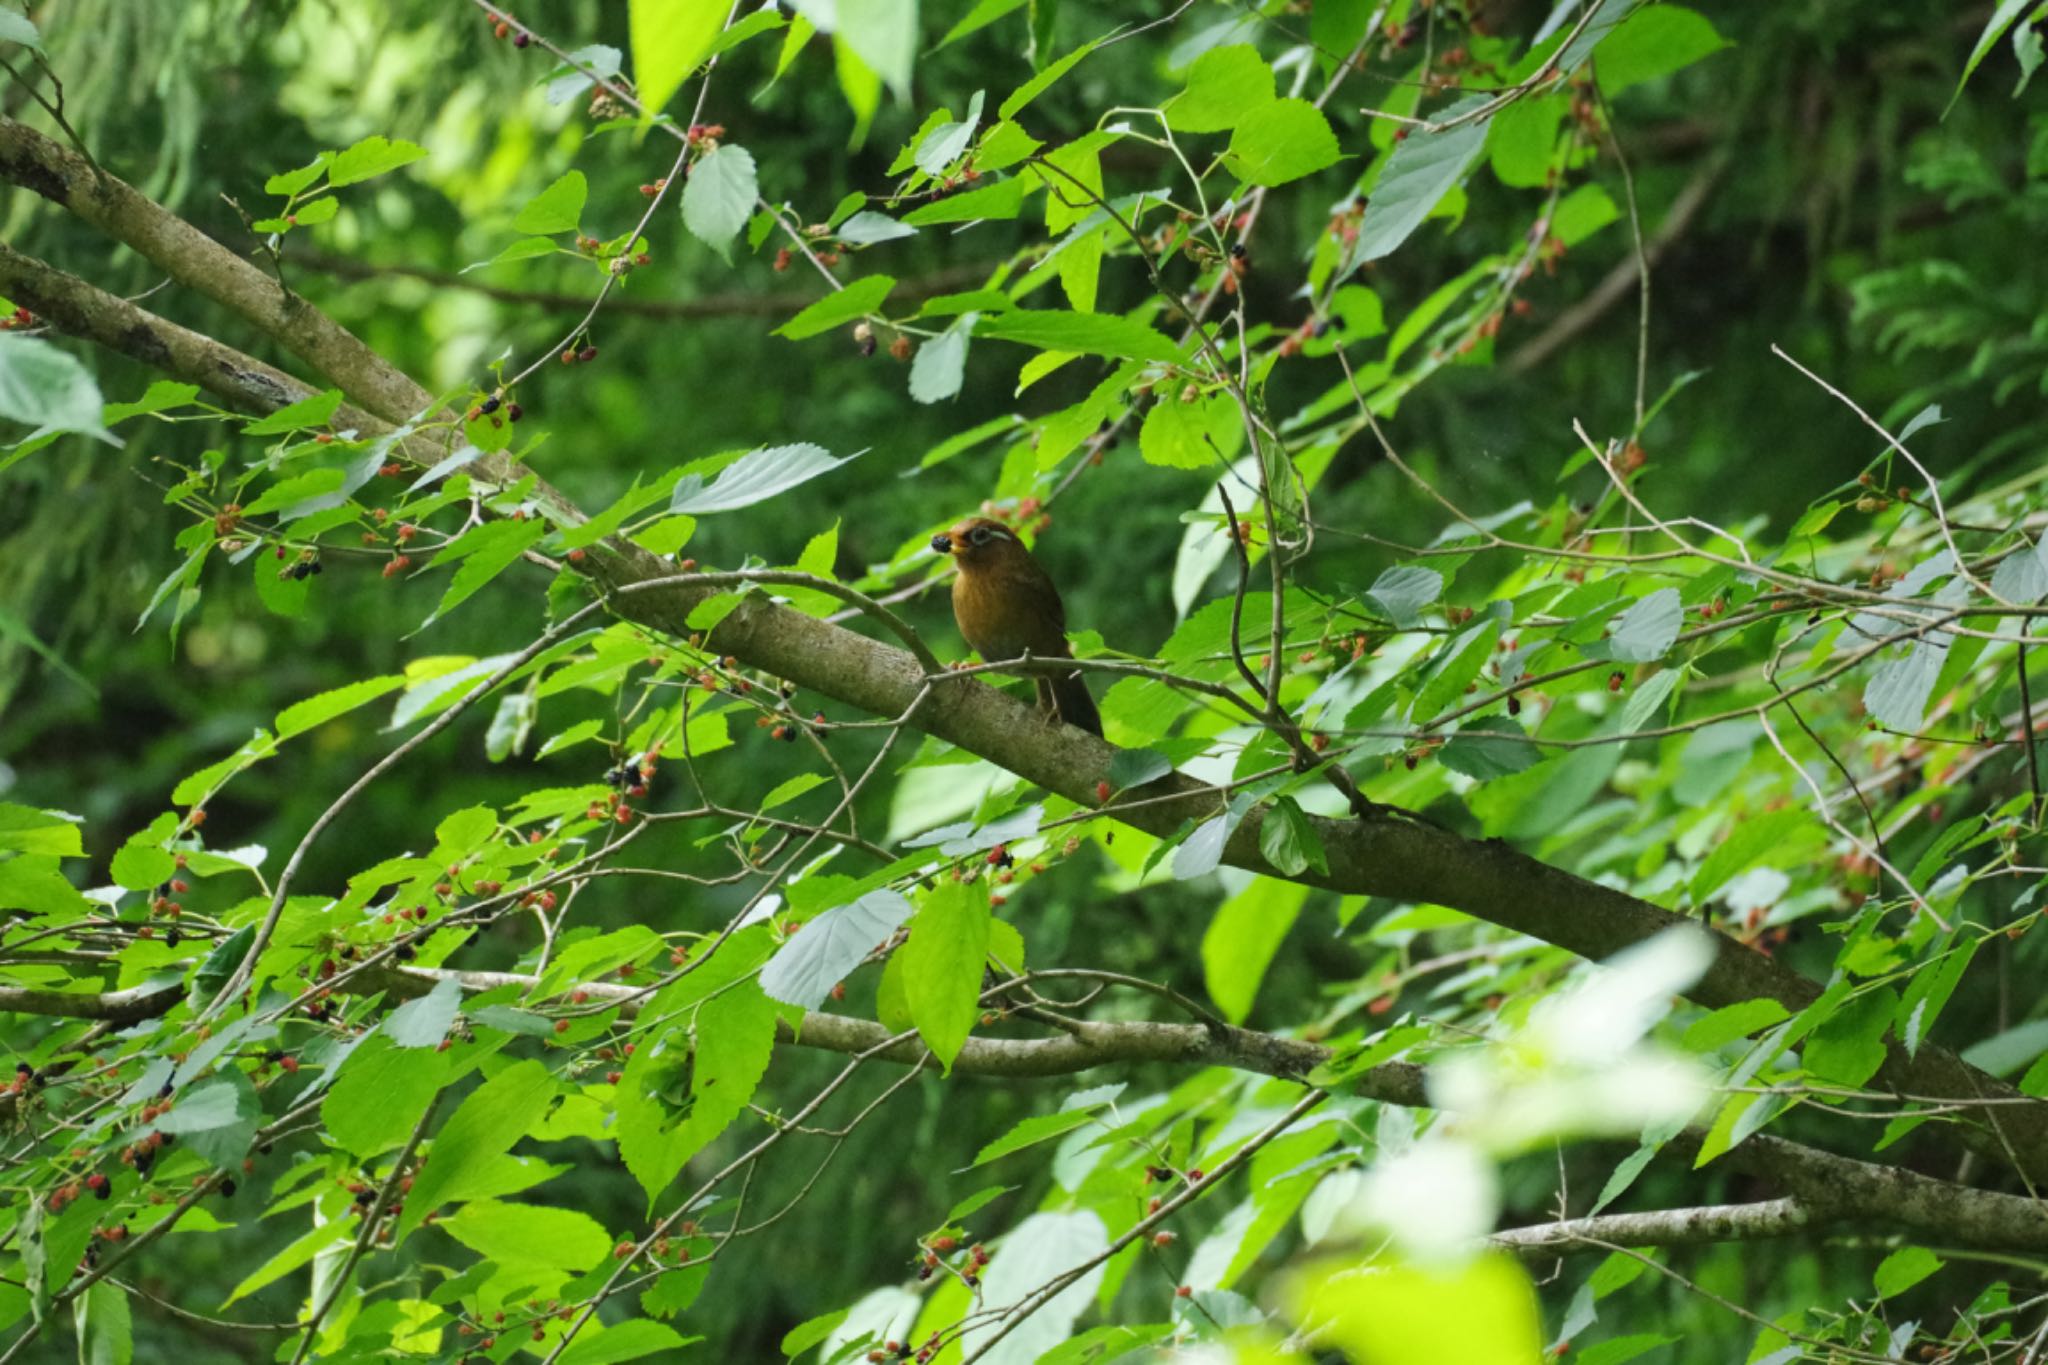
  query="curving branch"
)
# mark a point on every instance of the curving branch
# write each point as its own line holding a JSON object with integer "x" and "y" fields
{"x": 1382, "y": 856}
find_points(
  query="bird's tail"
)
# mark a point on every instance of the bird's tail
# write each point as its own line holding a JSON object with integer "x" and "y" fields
{"x": 1067, "y": 695}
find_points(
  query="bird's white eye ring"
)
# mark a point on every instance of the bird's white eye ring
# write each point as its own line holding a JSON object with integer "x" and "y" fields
{"x": 978, "y": 536}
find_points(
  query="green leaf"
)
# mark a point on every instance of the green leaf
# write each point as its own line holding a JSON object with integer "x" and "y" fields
{"x": 1522, "y": 143}
{"x": 755, "y": 476}
{"x": 1086, "y": 333}
{"x": 1289, "y": 842}
{"x": 669, "y": 38}
{"x": 1420, "y": 172}
{"x": 481, "y": 1130}
{"x": 497, "y": 546}
{"x": 161, "y": 396}
{"x": 24, "y": 829}
{"x": 883, "y": 35}
{"x": 1848, "y": 1048}
{"x": 628, "y": 1340}
{"x": 1195, "y": 435}
{"x": 106, "y": 1332}
{"x": 719, "y": 196}
{"x": 984, "y": 13}
{"x": 314, "y": 410}
{"x": 1202, "y": 850}
{"x": 1495, "y": 747}
{"x": 1731, "y": 1022}
{"x": 805, "y": 1335}
{"x": 856, "y": 300}
{"x": 1898, "y": 691}
{"x": 1481, "y": 1308}
{"x": 373, "y": 156}
{"x": 1646, "y": 631}
{"x": 47, "y": 388}
{"x": 1654, "y": 41}
{"x": 943, "y": 963}
{"x": 302, "y": 716}
{"x": 528, "y": 1236}
{"x": 1225, "y": 85}
{"x": 299, "y": 1253}
{"x": 948, "y": 142}
{"x": 425, "y": 1022}
{"x": 32, "y": 882}
{"x": 17, "y": 28}
{"x": 1032, "y": 1131}
{"x": 1768, "y": 839}
{"x": 217, "y": 1118}
{"x": 291, "y": 182}
{"x": 1242, "y": 937}
{"x": 1282, "y": 141}
{"x": 379, "y": 1095}
{"x": 1403, "y": 591}
{"x": 807, "y": 967}
{"x": 142, "y": 862}
{"x": 558, "y": 208}
{"x": 941, "y": 364}
{"x": 1043, "y": 81}
{"x": 867, "y": 227}
{"x": 1903, "y": 1269}
{"x": 1135, "y": 767}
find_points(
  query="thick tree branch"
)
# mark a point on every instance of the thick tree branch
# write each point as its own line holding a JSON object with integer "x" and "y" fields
{"x": 195, "y": 260}
{"x": 1384, "y": 857}
{"x": 79, "y": 309}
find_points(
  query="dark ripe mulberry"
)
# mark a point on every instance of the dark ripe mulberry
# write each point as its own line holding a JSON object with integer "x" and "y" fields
{"x": 227, "y": 1189}
{"x": 489, "y": 406}
{"x": 586, "y": 355}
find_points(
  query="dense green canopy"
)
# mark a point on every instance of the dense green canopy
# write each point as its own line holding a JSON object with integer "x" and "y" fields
{"x": 499, "y": 856}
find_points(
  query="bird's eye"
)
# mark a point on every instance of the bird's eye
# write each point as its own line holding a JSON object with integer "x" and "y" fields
{"x": 979, "y": 535}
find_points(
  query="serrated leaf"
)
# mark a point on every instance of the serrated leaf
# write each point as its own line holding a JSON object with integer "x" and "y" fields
{"x": 1135, "y": 767}
{"x": 755, "y": 476}
{"x": 855, "y": 301}
{"x": 1646, "y": 631}
{"x": 1281, "y": 141}
{"x": 558, "y": 208}
{"x": 1289, "y": 842}
{"x": 719, "y": 196}
{"x": 1224, "y": 86}
{"x": 943, "y": 964}
{"x": 302, "y": 716}
{"x": 47, "y": 388}
{"x": 819, "y": 956}
{"x": 669, "y": 38}
{"x": 1653, "y": 41}
{"x": 1419, "y": 173}
{"x": 18, "y": 28}
{"x": 1898, "y": 691}
{"x": 941, "y": 364}
{"x": 1903, "y": 1269}
{"x": 1495, "y": 747}
{"x": 1084, "y": 333}
{"x": 425, "y": 1022}
{"x": 314, "y": 410}
{"x": 1403, "y": 591}
{"x": 868, "y": 227}
{"x": 373, "y": 156}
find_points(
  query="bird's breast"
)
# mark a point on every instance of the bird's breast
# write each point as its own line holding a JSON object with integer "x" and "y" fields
{"x": 1005, "y": 615}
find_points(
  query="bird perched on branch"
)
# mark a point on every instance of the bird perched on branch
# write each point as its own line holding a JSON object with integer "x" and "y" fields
{"x": 1007, "y": 607}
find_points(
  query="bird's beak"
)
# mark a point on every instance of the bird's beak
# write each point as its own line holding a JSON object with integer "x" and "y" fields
{"x": 943, "y": 543}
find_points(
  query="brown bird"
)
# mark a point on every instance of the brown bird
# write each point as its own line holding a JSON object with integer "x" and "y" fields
{"x": 1006, "y": 607}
